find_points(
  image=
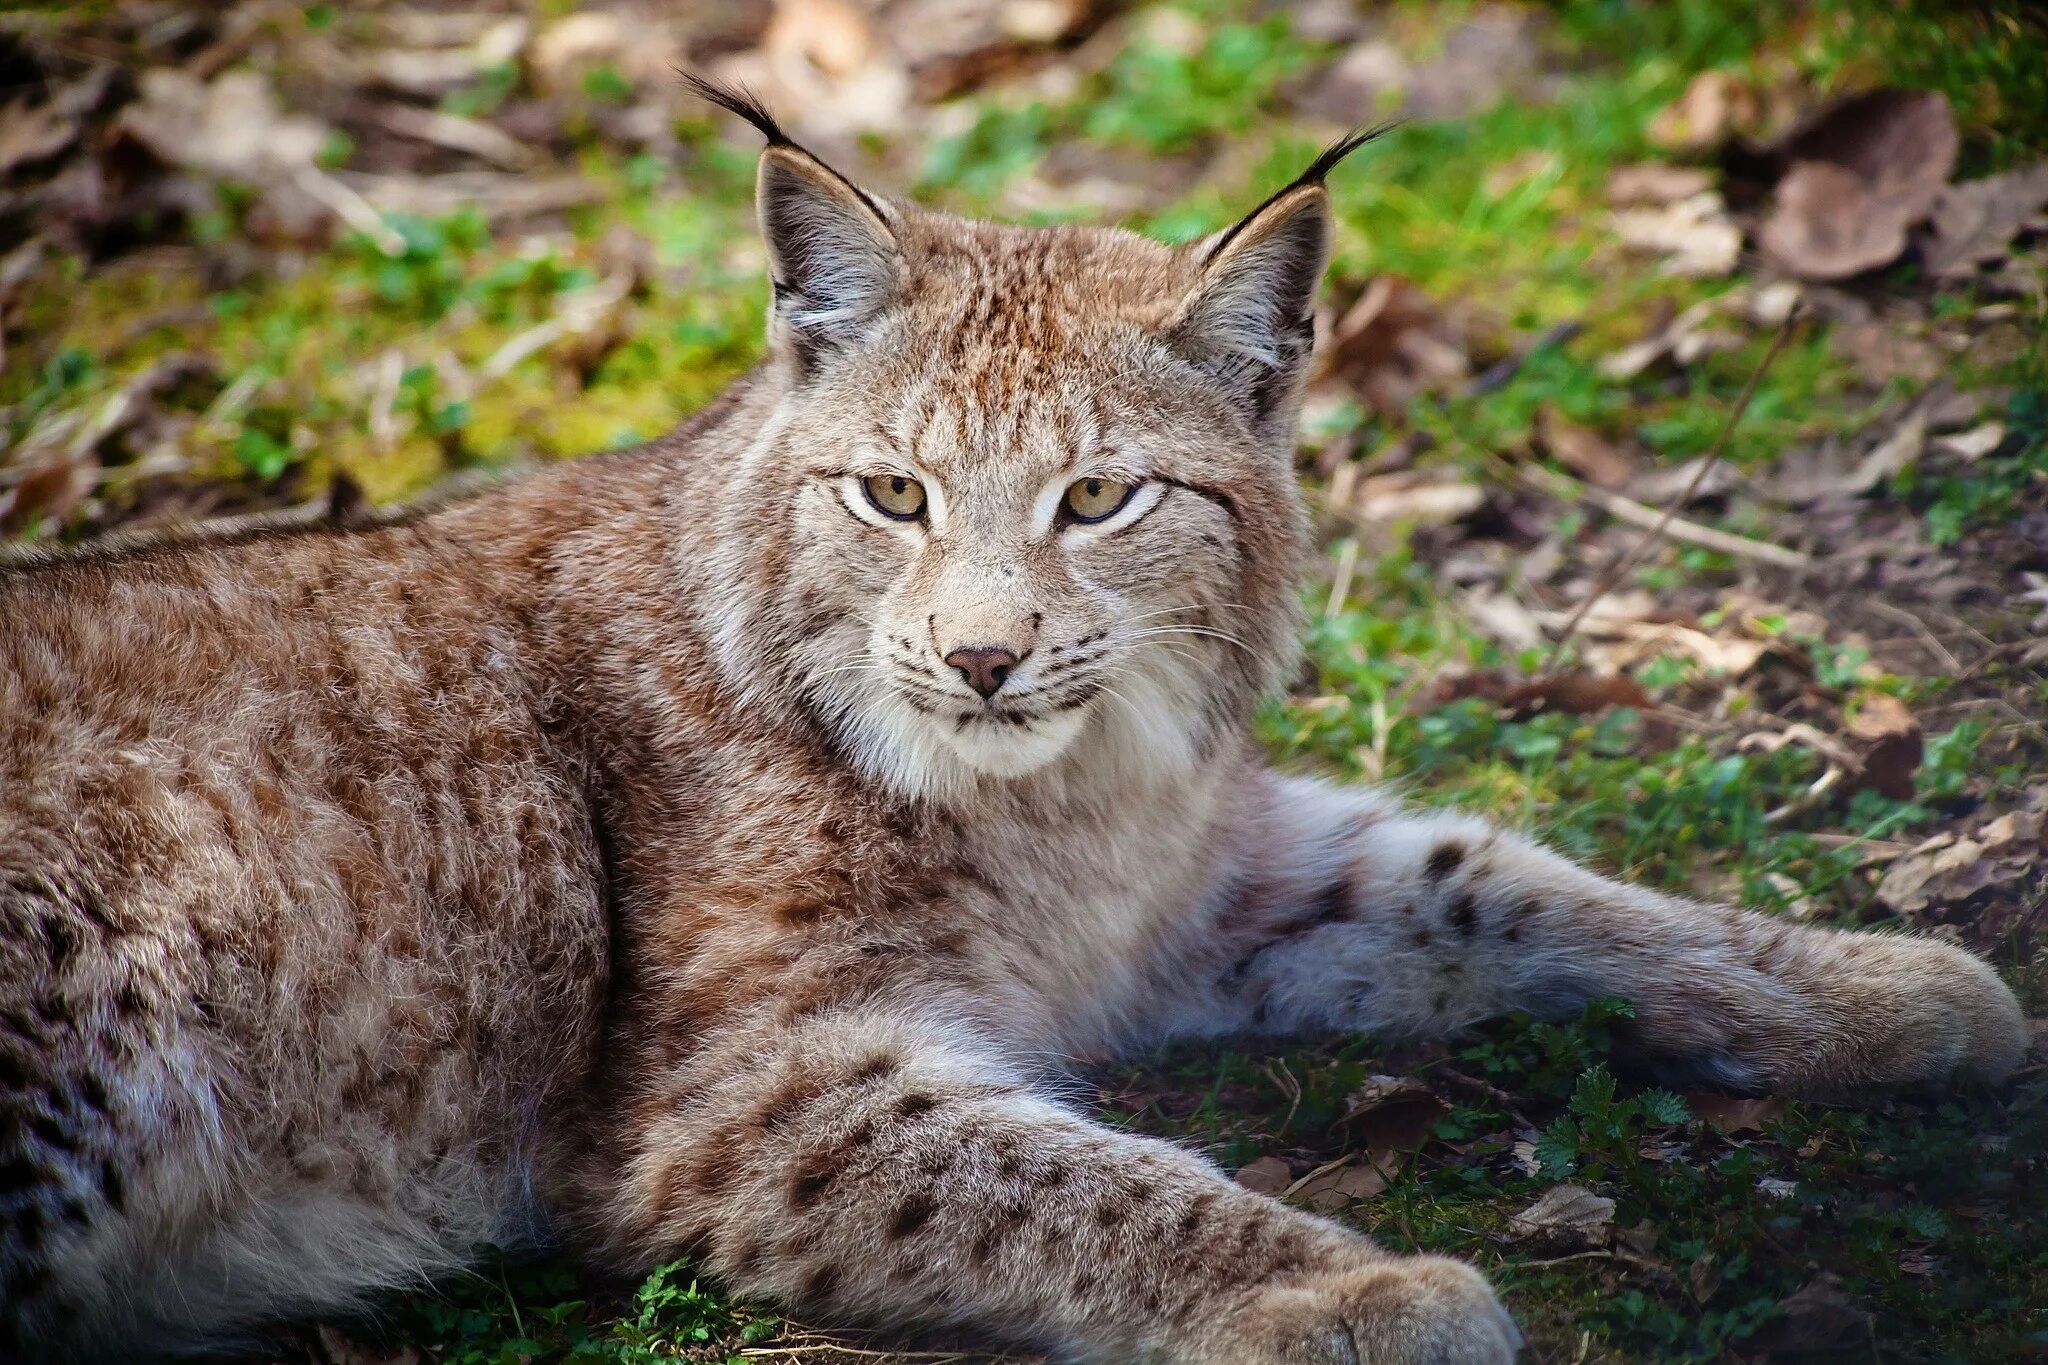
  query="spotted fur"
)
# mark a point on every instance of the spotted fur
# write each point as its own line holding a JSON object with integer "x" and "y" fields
{"x": 614, "y": 858}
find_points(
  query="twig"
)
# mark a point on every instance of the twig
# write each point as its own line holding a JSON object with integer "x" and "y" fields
{"x": 1629, "y": 510}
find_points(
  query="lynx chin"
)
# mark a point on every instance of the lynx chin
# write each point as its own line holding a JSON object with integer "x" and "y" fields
{"x": 714, "y": 847}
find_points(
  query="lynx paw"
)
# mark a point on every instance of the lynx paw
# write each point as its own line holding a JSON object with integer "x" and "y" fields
{"x": 1419, "y": 1311}
{"x": 1947, "y": 1012}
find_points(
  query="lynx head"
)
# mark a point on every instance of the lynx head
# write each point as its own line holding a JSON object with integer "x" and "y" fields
{"x": 1026, "y": 497}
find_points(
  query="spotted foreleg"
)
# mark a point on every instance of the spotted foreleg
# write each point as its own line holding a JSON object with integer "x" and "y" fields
{"x": 863, "y": 1168}
{"x": 1352, "y": 913}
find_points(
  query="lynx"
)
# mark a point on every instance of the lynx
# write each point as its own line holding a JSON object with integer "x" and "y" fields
{"x": 722, "y": 847}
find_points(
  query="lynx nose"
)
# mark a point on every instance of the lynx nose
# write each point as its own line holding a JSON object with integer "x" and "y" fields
{"x": 984, "y": 667}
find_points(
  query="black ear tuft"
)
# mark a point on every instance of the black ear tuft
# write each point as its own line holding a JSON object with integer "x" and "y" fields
{"x": 1318, "y": 170}
{"x": 737, "y": 99}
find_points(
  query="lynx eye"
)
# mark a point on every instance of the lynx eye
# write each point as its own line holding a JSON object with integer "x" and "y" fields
{"x": 1095, "y": 499}
{"x": 895, "y": 496}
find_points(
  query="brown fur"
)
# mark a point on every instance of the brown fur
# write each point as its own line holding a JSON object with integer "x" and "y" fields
{"x": 613, "y": 856}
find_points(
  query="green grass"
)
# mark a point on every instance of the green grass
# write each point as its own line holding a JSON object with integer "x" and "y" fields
{"x": 1932, "y": 1214}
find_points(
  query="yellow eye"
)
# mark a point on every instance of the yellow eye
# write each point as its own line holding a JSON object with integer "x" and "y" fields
{"x": 1096, "y": 499}
{"x": 895, "y": 496}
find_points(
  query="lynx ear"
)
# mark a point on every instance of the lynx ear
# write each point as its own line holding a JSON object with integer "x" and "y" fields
{"x": 1250, "y": 321}
{"x": 831, "y": 250}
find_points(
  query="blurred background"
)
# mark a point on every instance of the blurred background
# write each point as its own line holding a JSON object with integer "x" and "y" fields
{"x": 284, "y": 263}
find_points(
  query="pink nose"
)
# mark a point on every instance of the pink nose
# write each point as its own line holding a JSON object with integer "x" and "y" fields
{"x": 984, "y": 667}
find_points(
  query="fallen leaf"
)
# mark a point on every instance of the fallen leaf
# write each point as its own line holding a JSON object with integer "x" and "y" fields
{"x": 1903, "y": 447}
{"x": 1656, "y": 182}
{"x": 1393, "y": 344}
{"x": 1945, "y": 868}
{"x": 1566, "y": 1214}
{"x": 1973, "y": 222}
{"x": 1582, "y": 450}
{"x": 1331, "y": 1190}
{"x": 31, "y": 133}
{"x": 1973, "y": 444}
{"x": 1861, "y": 175}
{"x": 1703, "y": 1277}
{"x": 1390, "y": 1115}
{"x": 232, "y": 129}
{"x": 1266, "y": 1175}
{"x": 1576, "y": 693}
{"x": 1893, "y": 746}
{"x": 1411, "y": 495}
{"x": 1731, "y": 1114}
{"x": 47, "y": 494}
{"x": 1695, "y": 236}
{"x": 1818, "y": 1318}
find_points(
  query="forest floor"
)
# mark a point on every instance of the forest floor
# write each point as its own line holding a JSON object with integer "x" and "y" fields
{"x": 298, "y": 262}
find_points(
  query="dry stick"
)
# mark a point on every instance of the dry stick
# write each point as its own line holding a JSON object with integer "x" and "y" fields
{"x": 1635, "y": 553}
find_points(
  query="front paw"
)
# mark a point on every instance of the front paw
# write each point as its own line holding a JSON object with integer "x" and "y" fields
{"x": 1936, "y": 1011}
{"x": 1421, "y": 1310}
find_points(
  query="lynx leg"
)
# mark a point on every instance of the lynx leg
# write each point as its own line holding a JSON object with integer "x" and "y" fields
{"x": 1413, "y": 923}
{"x": 868, "y": 1168}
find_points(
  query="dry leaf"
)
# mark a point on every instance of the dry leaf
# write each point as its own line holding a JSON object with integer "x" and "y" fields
{"x": 1972, "y": 223}
{"x": 1582, "y": 450}
{"x": 1703, "y": 1277}
{"x": 1695, "y": 236}
{"x": 1266, "y": 1175}
{"x": 1573, "y": 692}
{"x": 1656, "y": 183}
{"x": 1392, "y": 1114}
{"x": 232, "y": 129}
{"x": 1331, "y": 1190}
{"x": 48, "y": 494}
{"x": 31, "y": 133}
{"x": 1412, "y": 496}
{"x": 1393, "y": 344}
{"x": 1731, "y": 1114}
{"x": 1861, "y": 175}
{"x": 1568, "y": 1214}
{"x": 1948, "y": 868}
{"x": 1893, "y": 745}
{"x": 1973, "y": 444}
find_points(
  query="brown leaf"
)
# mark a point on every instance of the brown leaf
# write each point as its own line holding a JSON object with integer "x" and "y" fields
{"x": 1818, "y": 1318}
{"x": 1731, "y": 1114}
{"x": 31, "y": 133}
{"x": 1393, "y": 344}
{"x": 1861, "y": 175}
{"x": 1582, "y": 450}
{"x": 232, "y": 129}
{"x": 1411, "y": 495}
{"x": 1570, "y": 1215}
{"x": 1266, "y": 1175}
{"x": 1393, "y": 1114}
{"x": 1333, "y": 1188}
{"x": 1656, "y": 183}
{"x": 1971, "y": 223}
{"x": 48, "y": 494}
{"x": 1893, "y": 743}
{"x": 1695, "y": 236}
{"x": 1703, "y": 1277}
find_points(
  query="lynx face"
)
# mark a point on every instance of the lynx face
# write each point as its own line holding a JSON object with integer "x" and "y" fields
{"x": 1027, "y": 497}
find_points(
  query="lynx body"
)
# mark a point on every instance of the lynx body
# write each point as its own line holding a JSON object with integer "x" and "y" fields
{"x": 720, "y": 846}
